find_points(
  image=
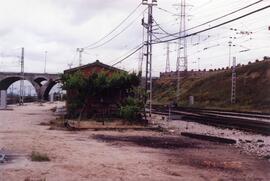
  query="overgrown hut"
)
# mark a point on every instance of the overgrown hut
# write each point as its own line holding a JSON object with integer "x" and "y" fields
{"x": 97, "y": 89}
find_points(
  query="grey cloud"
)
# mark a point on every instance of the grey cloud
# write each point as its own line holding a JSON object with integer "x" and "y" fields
{"x": 84, "y": 10}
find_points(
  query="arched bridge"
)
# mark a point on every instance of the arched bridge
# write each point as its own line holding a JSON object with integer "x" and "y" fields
{"x": 36, "y": 79}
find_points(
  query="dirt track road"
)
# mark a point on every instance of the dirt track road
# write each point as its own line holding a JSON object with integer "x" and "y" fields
{"x": 108, "y": 155}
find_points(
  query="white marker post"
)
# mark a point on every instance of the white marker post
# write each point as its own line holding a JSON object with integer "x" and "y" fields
{"x": 51, "y": 98}
{"x": 3, "y": 99}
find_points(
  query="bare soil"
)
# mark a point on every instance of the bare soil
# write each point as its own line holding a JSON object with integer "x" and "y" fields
{"x": 114, "y": 155}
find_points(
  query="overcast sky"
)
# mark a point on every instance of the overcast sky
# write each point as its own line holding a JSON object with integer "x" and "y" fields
{"x": 61, "y": 26}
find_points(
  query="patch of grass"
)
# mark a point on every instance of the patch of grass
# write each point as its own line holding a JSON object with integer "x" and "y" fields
{"x": 57, "y": 124}
{"x": 39, "y": 157}
{"x": 53, "y": 109}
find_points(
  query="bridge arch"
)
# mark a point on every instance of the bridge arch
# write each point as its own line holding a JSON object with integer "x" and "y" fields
{"x": 46, "y": 88}
{"x": 40, "y": 79}
{"x": 6, "y": 82}
{"x": 36, "y": 79}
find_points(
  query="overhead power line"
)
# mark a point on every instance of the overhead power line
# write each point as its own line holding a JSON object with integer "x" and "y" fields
{"x": 130, "y": 54}
{"x": 218, "y": 18}
{"x": 124, "y": 20}
{"x": 162, "y": 29}
{"x": 213, "y": 27}
{"x": 124, "y": 29}
{"x": 167, "y": 11}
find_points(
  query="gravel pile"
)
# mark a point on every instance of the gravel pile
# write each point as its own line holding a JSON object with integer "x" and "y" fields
{"x": 251, "y": 143}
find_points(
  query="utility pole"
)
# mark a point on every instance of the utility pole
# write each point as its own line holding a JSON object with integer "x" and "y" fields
{"x": 80, "y": 50}
{"x": 141, "y": 54}
{"x": 140, "y": 63}
{"x": 12, "y": 90}
{"x": 232, "y": 38}
{"x": 29, "y": 91}
{"x": 70, "y": 65}
{"x": 148, "y": 72}
{"x": 22, "y": 79}
{"x": 182, "y": 47}
{"x": 233, "y": 91}
{"x": 45, "y": 59}
{"x": 230, "y": 51}
{"x": 198, "y": 61}
{"x": 168, "y": 69}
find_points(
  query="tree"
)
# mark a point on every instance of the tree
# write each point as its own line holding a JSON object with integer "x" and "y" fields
{"x": 75, "y": 84}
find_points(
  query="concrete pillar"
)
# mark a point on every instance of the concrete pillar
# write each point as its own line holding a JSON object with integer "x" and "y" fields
{"x": 51, "y": 97}
{"x": 3, "y": 99}
{"x": 61, "y": 96}
{"x": 191, "y": 100}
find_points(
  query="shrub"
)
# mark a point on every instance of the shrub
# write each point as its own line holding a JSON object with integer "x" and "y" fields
{"x": 38, "y": 157}
{"x": 130, "y": 109}
{"x": 129, "y": 112}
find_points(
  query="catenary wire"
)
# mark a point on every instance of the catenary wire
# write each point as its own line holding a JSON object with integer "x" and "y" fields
{"x": 108, "y": 34}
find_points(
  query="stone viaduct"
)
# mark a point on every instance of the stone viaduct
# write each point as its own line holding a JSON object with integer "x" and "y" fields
{"x": 36, "y": 79}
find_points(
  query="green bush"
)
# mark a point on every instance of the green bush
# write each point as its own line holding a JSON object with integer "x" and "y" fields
{"x": 38, "y": 157}
{"x": 129, "y": 112}
{"x": 130, "y": 109}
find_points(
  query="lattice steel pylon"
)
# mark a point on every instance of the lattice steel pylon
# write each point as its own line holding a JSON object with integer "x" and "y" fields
{"x": 182, "y": 60}
{"x": 140, "y": 63}
{"x": 168, "y": 68}
{"x": 233, "y": 90}
{"x": 148, "y": 54}
{"x": 21, "y": 100}
{"x": 141, "y": 53}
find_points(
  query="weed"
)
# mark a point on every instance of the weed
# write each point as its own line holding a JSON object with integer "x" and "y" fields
{"x": 39, "y": 157}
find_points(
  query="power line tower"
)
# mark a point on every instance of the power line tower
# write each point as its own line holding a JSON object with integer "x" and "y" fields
{"x": 45, "y": 59}
{"x": 70, "y": 65}
{"x": 22, "y": 79}
{"x": 233, "y": 91}
{"x": 141, "y": 53}
{"x": 168, "y": 69}
{"x": 80, "y": 50}
{"x": 148, "y": 54}
{"x": 182, "y": 47}
{"x": 231, "y": 44}
{"x": 235, "y": 34}
{"x": 140, "y": 63}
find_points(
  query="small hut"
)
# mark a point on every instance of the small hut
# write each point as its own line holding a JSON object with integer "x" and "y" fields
{"x": 97, "y": 106}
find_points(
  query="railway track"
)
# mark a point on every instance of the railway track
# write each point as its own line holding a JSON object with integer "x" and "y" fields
{"x": 247, "y": 121}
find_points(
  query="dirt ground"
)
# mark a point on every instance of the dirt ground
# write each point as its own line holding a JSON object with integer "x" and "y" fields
{"x": 249, "y": 142}
{"x": 114, "y": 155}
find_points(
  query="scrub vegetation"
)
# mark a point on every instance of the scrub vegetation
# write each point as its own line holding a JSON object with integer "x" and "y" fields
{"x": 213, "y": 91}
